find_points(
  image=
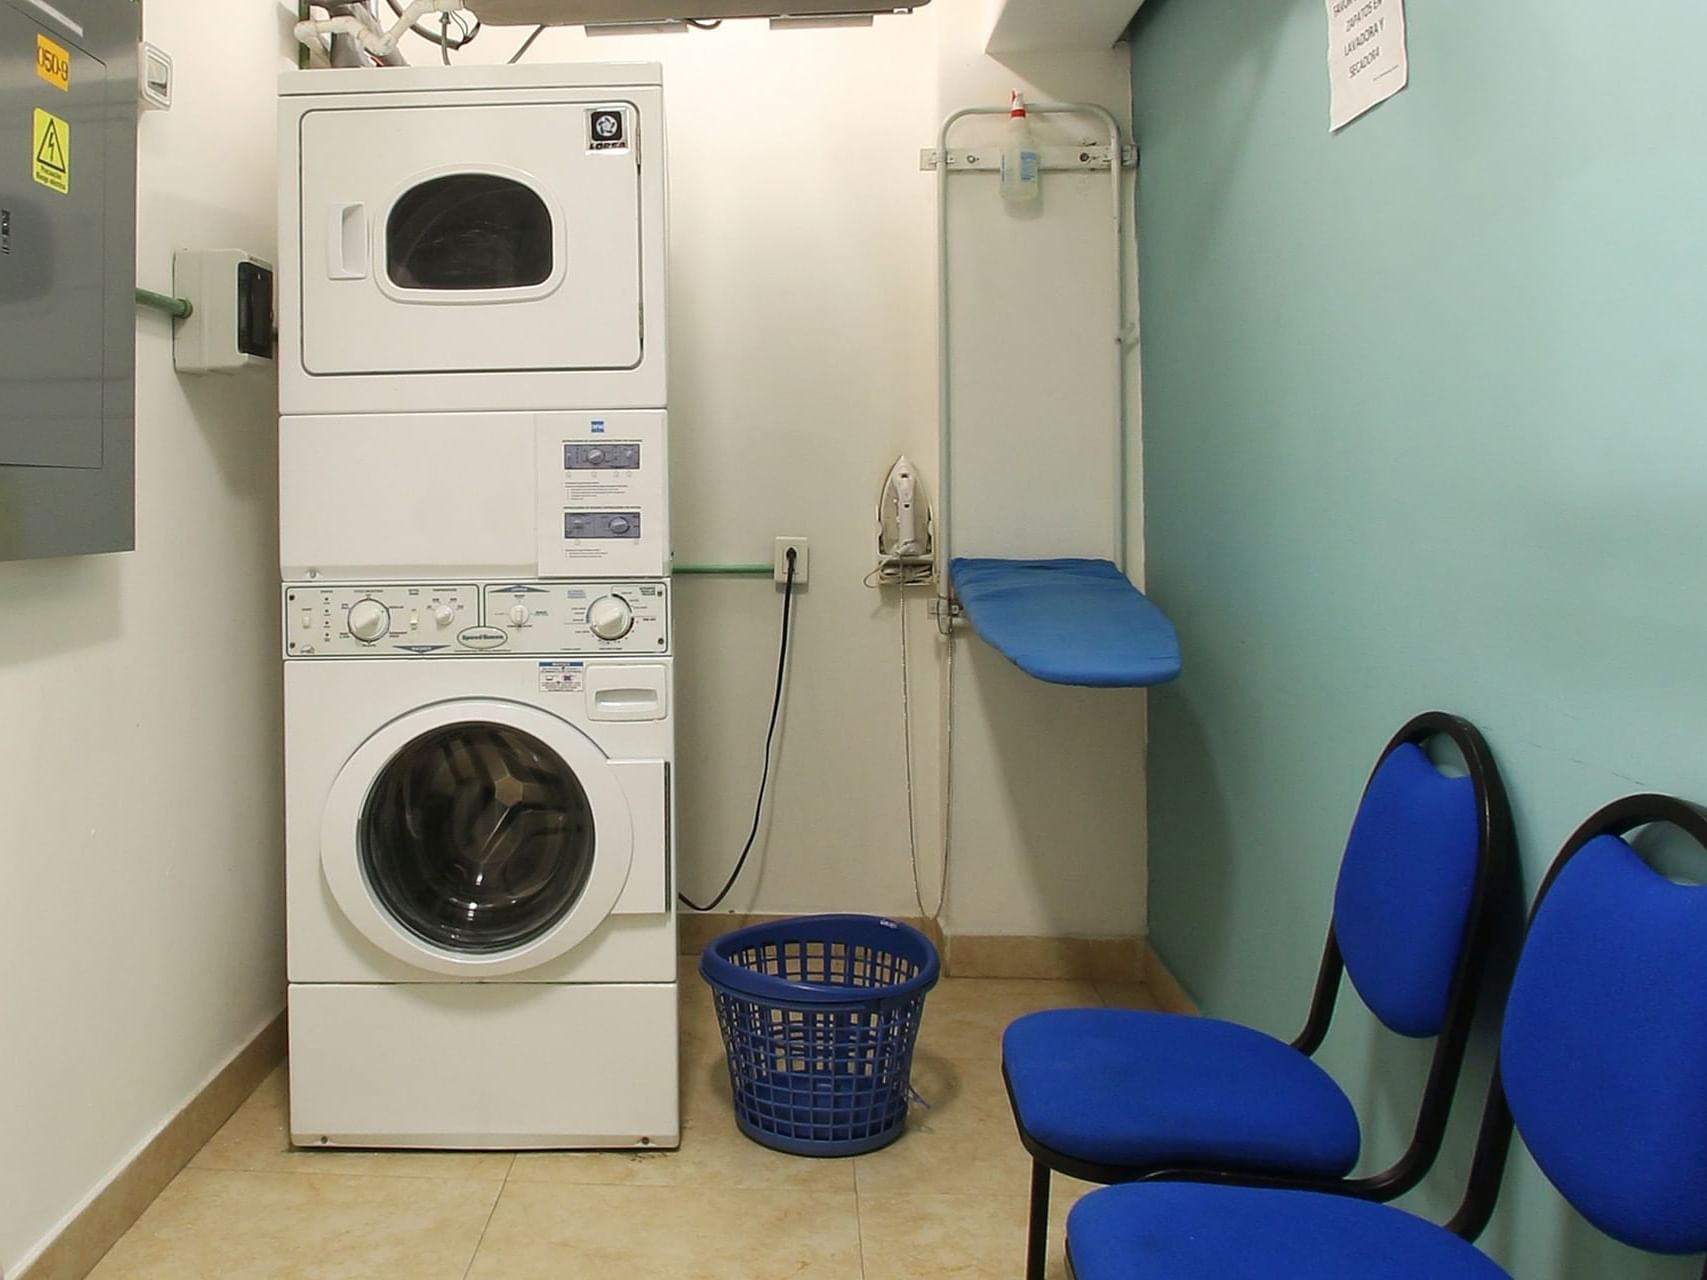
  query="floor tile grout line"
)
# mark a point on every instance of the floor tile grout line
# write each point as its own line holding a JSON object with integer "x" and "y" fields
{"x": 859, "y": 1223}
{"x": 490, "y": 1214}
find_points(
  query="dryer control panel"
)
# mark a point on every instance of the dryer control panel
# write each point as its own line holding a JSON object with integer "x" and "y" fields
{"x": 422, "y": 620}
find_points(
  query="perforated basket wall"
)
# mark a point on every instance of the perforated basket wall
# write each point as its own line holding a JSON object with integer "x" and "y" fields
{"x": 819, "y": 1017}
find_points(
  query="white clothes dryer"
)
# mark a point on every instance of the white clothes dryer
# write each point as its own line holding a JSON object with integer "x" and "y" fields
{"x": 472, "y": 238}
{"x": 479, "y": 882}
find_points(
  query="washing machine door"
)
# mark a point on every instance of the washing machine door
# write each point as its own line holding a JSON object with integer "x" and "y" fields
{"x": 476, "y": 237}
{"x": 476, "y": 838}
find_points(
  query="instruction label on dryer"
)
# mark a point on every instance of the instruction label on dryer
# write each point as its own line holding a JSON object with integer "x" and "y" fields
{"x": 562, "y": 677}
{"x": 602, "y": 503}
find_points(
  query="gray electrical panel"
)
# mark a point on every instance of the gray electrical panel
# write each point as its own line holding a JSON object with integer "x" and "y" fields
{"x": 68, "y": 110}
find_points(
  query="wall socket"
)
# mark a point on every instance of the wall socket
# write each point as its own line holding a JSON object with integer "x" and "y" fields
{"x": 782, "y": 546}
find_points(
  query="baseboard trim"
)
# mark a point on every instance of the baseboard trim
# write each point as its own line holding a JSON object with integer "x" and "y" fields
{"x": 973, "y": 955}
{"x": 1164, "y": 986}
{"x": 111, "y": 1211}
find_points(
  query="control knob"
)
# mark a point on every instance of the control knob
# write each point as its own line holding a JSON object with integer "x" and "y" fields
{"x": 519, "y": 614}
{"x": 368, "y": 620}
{"x": 443, "y": 615}
{"x": 610, "y": 617}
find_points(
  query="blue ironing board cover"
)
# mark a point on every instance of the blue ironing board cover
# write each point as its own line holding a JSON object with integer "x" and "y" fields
{"x": 1068, "y": 621}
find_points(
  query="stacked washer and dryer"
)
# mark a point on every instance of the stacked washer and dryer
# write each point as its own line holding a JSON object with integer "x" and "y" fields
{"x": 474, "y": 542}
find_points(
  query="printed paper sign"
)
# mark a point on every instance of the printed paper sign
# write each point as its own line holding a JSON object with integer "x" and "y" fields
{"x": 50, "y": 145}
{"x": 1366, "y": 56}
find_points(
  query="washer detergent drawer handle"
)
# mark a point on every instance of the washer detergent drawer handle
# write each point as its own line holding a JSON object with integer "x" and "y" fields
{"x": 346, "y": 242}
{"x": 626, "y": 702}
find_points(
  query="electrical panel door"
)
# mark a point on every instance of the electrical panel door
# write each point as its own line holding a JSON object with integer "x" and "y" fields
{"x": 67, "y": 272}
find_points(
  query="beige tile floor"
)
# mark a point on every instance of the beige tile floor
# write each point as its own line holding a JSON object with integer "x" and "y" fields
{"x": 948, "y": 1199}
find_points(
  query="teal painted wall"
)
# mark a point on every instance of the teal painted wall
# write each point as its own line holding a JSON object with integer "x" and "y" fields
{"x": 1425, "y": 421}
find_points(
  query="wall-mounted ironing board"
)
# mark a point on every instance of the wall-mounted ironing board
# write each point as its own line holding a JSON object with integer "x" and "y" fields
{"x": 1067, "y": 621}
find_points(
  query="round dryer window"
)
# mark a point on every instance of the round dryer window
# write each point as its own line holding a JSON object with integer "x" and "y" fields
{"x": 476, "y": 837}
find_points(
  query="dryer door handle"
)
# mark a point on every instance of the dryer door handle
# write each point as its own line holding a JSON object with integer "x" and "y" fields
{"x": 346, "y": 242}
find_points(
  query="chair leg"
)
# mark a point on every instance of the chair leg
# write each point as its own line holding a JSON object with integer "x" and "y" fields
{"x": 1037, "y": 1238}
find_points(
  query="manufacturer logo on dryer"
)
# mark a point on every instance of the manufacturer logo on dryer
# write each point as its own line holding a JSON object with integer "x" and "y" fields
{"x": 607, "y": 129}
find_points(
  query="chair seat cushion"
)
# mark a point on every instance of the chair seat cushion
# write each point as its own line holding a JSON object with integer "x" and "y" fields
{"x": 1194, "y": 1231}
{"x": 1155, "y": 1090}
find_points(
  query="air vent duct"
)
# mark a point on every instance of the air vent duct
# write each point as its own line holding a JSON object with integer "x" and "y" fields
{"x": 568, "y": 13}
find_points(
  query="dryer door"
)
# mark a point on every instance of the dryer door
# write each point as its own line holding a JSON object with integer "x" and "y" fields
{"x": 477, "y": 838}
{"x": 470, "y": 238}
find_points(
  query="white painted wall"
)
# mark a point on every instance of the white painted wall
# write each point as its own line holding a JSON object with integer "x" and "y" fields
{"x": 1049, "y": 807}
{"x": 139, "y": 750}
{"x": 804, "y": 331}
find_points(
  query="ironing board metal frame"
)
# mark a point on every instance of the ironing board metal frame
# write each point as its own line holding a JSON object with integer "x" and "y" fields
{"x": 1121, "y": 337}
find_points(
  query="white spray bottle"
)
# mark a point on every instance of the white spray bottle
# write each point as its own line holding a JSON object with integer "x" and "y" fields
{"x": 1022, "y": 166}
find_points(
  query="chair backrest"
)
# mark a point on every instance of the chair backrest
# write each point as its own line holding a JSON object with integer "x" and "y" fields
{"x": 1409, "y": 921}
{"x": 1603, "y": 1052}
{"x": 1415, "y": 874}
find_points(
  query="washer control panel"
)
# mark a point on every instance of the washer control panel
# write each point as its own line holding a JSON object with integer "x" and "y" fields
{"x": 468, "y": 619}
{"x": 581, "y": 617}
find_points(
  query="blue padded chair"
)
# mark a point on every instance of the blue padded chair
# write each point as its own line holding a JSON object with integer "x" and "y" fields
{"x": 1115, "y": 1095}
{"x": 1601, "y": 1059}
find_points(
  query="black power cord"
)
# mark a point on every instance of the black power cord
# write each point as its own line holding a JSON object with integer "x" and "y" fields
{"x": 770, "y": 734}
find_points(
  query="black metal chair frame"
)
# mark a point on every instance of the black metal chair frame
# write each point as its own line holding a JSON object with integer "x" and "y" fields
{"x": 1494, "y": 855}
{"x": 1493, "y": 1137}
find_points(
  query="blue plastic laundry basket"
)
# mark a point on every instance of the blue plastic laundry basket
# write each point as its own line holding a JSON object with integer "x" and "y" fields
{"x": 819, "y": 1016}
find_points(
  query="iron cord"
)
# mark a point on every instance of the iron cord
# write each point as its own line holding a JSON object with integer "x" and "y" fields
{"x": 770, "y": 737}
{"x": 907, "y": 767}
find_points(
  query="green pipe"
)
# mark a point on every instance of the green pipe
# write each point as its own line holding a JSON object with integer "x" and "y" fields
{"x": 177, "y": 308}
{"x": 726, "y": 570}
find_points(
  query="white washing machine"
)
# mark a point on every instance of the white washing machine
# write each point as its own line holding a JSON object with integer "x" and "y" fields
{"x": 482, "y": 948}
{"x": 472, "y": 239}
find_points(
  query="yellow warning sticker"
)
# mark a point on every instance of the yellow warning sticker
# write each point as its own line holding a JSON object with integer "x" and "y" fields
{"x": 53, "y": 63}
{"x": 51, "y": 149}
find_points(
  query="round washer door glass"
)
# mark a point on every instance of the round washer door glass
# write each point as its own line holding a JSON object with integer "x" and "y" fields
{"x": 476, "y": 837}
